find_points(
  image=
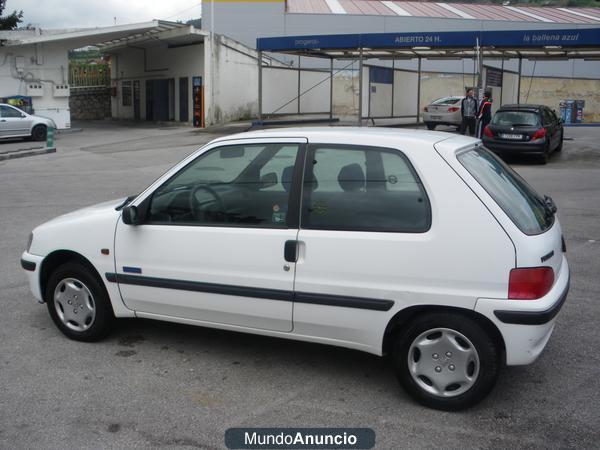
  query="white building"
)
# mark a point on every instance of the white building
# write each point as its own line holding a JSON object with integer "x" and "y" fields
{"x": 160, "y": 71}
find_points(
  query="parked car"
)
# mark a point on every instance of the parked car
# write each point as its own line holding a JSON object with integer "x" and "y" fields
{"x": 15, "y": 123}
{"x": 524, "y": 129}
{"x": 443, "y": 111}
{"x": 377, "y": 240}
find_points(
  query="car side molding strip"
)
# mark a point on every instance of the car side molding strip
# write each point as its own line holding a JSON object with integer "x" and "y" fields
{"x": 253, "y": 292}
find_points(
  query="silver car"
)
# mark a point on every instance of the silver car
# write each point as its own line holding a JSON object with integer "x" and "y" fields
{"x": 443, "y": 111}
{"x": 15, "y": 123}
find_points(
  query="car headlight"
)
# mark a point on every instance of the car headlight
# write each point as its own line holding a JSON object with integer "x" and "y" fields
{"x": 29, "y": 241}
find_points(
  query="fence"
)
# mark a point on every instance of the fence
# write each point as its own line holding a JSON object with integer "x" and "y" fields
{"x": 89, "y": 75}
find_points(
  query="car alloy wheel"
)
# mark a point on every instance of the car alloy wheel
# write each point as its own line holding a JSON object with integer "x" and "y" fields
{"x": 74, "y": 304}
{"x": 443, "y": 362}
{"x": 78, "y": 302}
{"x": 446, "y": 360}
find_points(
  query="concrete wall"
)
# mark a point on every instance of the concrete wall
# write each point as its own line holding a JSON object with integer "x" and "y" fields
{"x": 550, "y": 91}
{"x": 91, "y": 103}
{"x": 161, "y": 62}
{"x": 46, "y": 65}
{"x": 281, "y": 91}
{"x": 231, "y": 86}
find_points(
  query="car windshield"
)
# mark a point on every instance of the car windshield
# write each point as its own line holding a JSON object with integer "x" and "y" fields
{"x": 515, "y": 118}
{"x": 446, "y": 101}
{"x": 525, "y": 207}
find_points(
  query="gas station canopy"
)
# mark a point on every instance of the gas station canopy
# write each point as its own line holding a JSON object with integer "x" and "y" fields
{"x": 577, "y": 43}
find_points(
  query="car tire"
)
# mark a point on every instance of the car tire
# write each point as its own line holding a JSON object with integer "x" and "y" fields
{"x": 543, "y": 160}
{"x": 430, "y": 126}
{"x": 560, "y": 144}
{"x": 459, "y": 367}
{"x": 78, "y": 303}
{"x": 39, "y": 133}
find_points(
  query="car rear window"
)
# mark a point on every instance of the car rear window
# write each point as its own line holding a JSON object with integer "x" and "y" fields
{"x": 515, "y": 118}
{"x": 446, "y": 101}
{"x": 526, "y": 208}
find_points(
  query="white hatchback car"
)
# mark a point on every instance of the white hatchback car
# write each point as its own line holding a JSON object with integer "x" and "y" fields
{"x": 417, "y": 244}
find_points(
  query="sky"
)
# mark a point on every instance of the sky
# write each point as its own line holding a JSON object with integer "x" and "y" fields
{"x": 94, "y": 13}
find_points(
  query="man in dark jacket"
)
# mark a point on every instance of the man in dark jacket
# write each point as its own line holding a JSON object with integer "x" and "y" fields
{"x": 468, "y": 111}
{"x": 485, "y": 112}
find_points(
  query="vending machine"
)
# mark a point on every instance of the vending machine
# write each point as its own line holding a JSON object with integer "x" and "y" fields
{"x": 198, "y": 102}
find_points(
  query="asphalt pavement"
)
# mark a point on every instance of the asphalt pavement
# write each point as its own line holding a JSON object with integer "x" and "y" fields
{"x": 154, "y": 384}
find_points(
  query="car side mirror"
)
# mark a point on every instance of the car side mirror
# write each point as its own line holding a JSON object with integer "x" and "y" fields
{"x": 130, "y": 215}
{"x": 23, "y": 116}
{"x": 268, "y": 180}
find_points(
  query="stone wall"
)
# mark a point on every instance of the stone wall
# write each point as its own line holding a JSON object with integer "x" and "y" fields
{"x": 90, "y": 103}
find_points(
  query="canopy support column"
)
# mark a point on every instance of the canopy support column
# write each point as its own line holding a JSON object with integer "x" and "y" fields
{"x": 418, "y": 92}
{"x": 260, "y": 86}
{"x": 331, "y": 89}
{"x": 519, "y": 81}
{"x": 360, "y": 87}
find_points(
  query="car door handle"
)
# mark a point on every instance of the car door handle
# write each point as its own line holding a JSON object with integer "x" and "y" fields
{"x": 2, "y": 120}
{"x": 290, "y": 251}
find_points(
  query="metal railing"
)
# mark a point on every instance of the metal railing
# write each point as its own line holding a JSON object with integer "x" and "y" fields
{"x": 89, "y": 75}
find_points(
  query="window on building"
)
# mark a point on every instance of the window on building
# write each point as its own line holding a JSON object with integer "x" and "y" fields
{"x": 126, "y": 93}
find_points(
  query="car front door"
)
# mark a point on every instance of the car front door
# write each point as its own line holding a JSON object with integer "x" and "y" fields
{"x": 13, "y": 122}
{"x": 211, "y": 247}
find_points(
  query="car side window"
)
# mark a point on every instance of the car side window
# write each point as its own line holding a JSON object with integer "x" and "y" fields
{"x": 232, "y": 185}
{"x": 7, "y": 111}
{"x": 359, "y": 188}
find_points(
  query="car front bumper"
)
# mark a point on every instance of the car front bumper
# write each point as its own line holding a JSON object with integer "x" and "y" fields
{"x": 32, "y": 264}
{"x": 526, "y": 325}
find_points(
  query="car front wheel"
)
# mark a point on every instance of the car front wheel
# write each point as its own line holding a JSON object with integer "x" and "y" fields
{"x": 446, "y": 361}
{"x": 39, "y": 133}
{"x": 78, "y": 303}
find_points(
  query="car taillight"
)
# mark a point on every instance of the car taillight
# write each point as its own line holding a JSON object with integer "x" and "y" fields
{"x": 530, "y": 283}
{"x": 488, "y": 132}
{"x": 425, "y": 109}
{"x": 539, "y": 134}
{"x": 453, "y": 109}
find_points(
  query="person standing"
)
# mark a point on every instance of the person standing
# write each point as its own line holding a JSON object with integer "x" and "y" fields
{"x": 468, "y": 112}
{"x": 485, "y": 112}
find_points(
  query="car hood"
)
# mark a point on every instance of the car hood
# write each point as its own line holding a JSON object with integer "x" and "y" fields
{"x": 89, "y": 212}
{"x": 92, "y": 226}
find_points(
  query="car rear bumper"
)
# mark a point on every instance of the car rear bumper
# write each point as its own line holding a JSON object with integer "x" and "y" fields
{"x": 526, "y": 325}
{"x": 442, "y": 118}
{"x": 514, "y": 148}
{"x": 33, "y": 265}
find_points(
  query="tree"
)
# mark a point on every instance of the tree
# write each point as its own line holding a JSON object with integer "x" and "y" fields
{"x": 11, "y": 21}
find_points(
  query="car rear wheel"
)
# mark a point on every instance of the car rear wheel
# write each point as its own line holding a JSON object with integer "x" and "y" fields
{"x": 430, "y": 126}
{"x": 446, "y": 361}
{"x": 78, "y": 303}
{"x": 39, "y": 133}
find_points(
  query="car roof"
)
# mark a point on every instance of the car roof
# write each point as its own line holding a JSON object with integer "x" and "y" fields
{"x": 345, "y": 135}
{"x": 522, "y": 106}
{"x": 409, "y": 141}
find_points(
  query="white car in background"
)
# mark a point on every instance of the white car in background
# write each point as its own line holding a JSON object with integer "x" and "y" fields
{"x": 421, "y": 245}
{"x": 443, "y": 111}
{"x": 16, "y": 123}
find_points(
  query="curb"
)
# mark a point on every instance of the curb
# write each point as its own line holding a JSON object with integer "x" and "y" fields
{"x": 25, "y": 153}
